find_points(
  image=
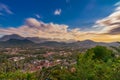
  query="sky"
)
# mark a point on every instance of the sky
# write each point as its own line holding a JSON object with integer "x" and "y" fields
{"x": 97, "y": 20}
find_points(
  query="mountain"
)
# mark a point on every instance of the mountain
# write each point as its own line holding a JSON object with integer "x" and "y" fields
{"x": 90, "y": 43}
{"x": 16, "y": 40}
{"x": 79, "y": 44}
{"x": 53, "y": 44}
{"x": 118, "y": 42}
{"x": 16, "y": 43}
{"x": 13, "y": 36}
{"x": 83, "y": 44}
{"x": 34, "y": 39}
{"x": 37, "y": 40}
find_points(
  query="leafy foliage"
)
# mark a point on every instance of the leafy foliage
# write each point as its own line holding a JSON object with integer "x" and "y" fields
{"x": 98, "y": 63}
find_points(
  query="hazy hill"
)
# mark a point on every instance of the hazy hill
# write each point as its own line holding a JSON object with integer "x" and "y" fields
{"x": 18, "y": 41}
{"x": 13, "y": 36}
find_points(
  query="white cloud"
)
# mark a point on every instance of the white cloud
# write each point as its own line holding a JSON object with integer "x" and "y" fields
{"x": 117, "y": 4}
{"x": 57, "y": 12}
{"x": 110, "y": 24}
{"x": 38, "y": 16}
{"x": 34, "y": 28}
{"x": 5, "y": 8}
{"x": 106, "y": 29}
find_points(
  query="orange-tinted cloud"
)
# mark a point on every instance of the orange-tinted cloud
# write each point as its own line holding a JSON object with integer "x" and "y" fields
{"x": 105, "y": 30}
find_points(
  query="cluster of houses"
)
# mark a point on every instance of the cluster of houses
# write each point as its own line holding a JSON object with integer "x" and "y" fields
{"x": 38, "y": 64}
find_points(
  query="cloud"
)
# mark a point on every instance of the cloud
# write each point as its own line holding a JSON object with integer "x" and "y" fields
{"x": 57, "y": 12}
{"x": 105, "y": 30}
{"x": 34, "y": 28}
{"x": 110, "y": 24}
{"x": 38, "y": 16}
{"x": 5, "y": 8}
{"x": 117, "y": 4}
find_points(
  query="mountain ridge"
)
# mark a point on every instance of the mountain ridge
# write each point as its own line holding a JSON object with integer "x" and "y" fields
{"x": 16, "y": 40}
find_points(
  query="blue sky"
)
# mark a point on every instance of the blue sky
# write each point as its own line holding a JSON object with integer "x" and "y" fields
{"x": 77, "y": 19}
{"x": 75, "y": 13}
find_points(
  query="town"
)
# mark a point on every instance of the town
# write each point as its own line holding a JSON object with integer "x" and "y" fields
{"x": 36, "y": 59}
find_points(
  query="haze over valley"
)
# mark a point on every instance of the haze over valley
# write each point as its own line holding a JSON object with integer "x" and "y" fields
{"x": 59, "y": 40}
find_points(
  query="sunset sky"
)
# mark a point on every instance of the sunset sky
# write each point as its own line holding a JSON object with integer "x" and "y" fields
{"x": 97, "y": 20}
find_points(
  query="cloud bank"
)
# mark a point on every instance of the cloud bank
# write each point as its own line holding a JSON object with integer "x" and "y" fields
{"x": 34, "y": 28}
{"x": 110, "y": 26}
{"x": 105, "y": 30}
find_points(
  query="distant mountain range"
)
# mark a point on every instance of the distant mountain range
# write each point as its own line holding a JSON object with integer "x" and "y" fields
{"x": 33, "y": 39}
{"x": 18, "y": 41}
{"x": 15, "y": 36}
